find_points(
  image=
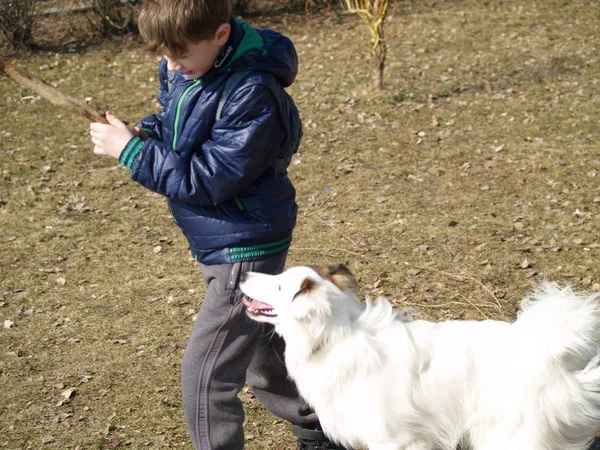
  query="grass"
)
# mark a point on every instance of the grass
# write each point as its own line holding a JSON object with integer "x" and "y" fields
{"x": 469, "y": 179}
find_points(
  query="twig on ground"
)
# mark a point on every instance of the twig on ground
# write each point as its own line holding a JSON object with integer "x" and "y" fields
{"x": 325, "y": 250}
{"x": 485, "y": 316}
{"x": 339, "y": 232}
{"x": 459, "y": 277}
{"x": 333, "y": 193}
{"x": 443, "y": 305}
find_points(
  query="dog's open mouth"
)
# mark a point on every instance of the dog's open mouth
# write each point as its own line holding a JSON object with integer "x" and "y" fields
{"x": 258, "y": 308}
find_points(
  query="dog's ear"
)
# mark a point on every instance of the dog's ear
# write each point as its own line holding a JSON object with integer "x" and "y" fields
{"x": 339, "y": 275}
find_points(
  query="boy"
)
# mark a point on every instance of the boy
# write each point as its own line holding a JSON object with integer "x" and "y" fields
{"x": 219, "y": 150}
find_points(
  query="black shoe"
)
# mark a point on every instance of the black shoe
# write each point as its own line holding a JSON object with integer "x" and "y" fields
{"x": 313, "y": 439}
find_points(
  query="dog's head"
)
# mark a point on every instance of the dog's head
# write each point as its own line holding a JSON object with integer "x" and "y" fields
{"x": 313, "y": 298}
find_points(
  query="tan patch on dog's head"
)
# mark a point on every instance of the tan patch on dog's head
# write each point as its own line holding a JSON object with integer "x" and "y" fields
{"x": 307, "y": 286}
{"x": 340, "y": 276}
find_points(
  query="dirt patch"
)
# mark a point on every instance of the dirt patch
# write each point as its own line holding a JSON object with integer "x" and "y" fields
{"x": 469, "y": 179}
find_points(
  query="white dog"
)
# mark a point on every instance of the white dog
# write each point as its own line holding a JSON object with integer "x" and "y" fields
{"x": 380, "y": 383}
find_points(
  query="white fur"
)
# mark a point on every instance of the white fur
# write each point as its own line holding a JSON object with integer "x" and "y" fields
{"x": 380, "y": 383}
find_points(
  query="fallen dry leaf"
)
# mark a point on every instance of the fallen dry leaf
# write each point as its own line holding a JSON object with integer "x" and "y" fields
{"x": 526, "y": 263}
{"x": 68, "y": 393}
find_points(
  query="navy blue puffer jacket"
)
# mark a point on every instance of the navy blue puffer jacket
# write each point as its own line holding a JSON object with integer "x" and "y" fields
{"x": 224, "y": 179}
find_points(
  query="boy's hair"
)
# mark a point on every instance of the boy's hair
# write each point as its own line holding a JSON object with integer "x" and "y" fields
{"x": 170, "y": 25}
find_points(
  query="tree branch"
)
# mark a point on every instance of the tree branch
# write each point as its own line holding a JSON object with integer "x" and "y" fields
{"x": 50, "y": 93}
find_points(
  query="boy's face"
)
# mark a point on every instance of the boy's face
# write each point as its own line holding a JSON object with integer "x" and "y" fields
{"x": 199, "y": 56}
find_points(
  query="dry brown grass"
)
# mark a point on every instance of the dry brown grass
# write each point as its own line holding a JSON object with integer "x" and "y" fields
{"x": 469, "y": 179}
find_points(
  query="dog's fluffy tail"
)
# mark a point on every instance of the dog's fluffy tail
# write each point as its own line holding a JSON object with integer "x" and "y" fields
{"x": 562, "y": 325}
{"x": 558, "y": 333}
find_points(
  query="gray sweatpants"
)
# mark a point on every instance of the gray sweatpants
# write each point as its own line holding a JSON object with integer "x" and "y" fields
{"x": 226, "y": 348}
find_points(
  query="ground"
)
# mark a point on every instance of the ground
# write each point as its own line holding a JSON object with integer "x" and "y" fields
{"x": 469, "y": 179}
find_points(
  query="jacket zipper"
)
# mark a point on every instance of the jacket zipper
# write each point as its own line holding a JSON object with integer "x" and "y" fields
{"x": 178, "y": 112}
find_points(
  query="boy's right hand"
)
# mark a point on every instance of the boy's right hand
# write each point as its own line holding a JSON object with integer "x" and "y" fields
{"x": 110, "y": 139}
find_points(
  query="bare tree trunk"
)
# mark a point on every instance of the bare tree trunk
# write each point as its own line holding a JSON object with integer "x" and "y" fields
{"x": 381, "y": 48}
{"x": 378, "y": 73}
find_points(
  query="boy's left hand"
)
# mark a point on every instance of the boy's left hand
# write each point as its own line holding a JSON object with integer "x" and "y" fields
{"x": 110, "y": 140}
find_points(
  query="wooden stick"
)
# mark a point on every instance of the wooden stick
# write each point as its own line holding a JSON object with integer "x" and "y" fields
{"x": 50, "y": 93}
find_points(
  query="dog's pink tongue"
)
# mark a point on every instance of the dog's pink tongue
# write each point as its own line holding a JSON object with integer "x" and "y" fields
{"x": 255, "y": 304}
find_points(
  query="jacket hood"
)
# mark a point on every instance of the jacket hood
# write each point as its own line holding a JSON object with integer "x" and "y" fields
{"x": 261, "y": 50}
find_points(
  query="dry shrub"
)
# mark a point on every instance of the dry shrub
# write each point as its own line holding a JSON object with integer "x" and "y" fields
{"x": 242, "y": 7}
{"x": 111, "y": 17}
{"x": 17, "y": 21}
{"x": 373, "y": 13}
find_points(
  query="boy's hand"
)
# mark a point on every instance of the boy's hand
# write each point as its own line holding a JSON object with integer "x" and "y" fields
{"x": 110, "y": 140}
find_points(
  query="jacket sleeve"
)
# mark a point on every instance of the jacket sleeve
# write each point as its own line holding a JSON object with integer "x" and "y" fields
{"x": 152, "y": 124}
{"x": 243, "y": 144}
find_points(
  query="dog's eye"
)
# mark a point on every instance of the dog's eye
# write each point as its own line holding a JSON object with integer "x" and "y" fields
{"x": 279, "y": 287}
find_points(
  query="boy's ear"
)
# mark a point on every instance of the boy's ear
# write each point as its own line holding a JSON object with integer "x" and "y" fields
{"x": 222, "y": 33}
